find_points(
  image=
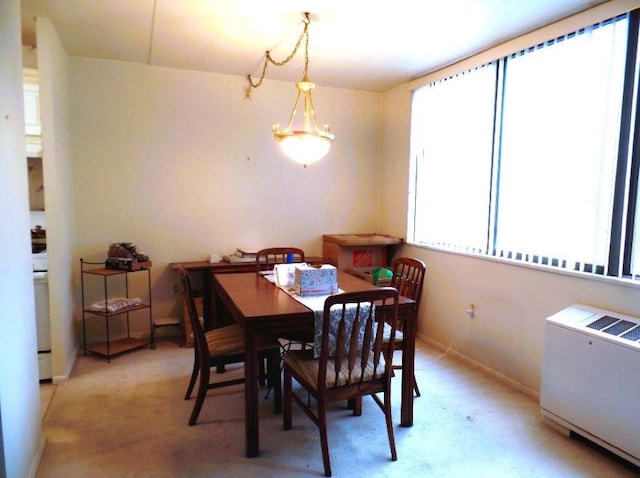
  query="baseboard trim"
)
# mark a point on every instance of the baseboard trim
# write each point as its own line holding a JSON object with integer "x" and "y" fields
{"x": 70, "y": 363}
{"x": 35, "y": 463}
{"x": 482, "y": 367}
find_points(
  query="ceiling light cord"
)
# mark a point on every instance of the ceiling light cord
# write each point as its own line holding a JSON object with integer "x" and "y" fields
{"x": 269, "y": 59}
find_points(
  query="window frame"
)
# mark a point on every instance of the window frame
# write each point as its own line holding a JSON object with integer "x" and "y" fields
{"x": 625, "y": 199}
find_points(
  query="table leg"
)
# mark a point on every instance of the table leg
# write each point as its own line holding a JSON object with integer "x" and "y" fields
{"x": 251, "y": 396}
{"x": 408, "y": 359}
{"x": 208, "y": 301}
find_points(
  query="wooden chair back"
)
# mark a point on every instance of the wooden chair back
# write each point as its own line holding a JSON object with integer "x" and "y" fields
{"x": 352, "y": 350}
{"x": 267, "y": 258}
{"x": 408, "y": 278}
{"x": 200, "y": 341}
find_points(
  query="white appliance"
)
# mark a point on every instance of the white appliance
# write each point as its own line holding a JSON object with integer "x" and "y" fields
{"x": 43, "y": 328}
{"x": 39, "y": 261}
{"x": 591, "y": 377}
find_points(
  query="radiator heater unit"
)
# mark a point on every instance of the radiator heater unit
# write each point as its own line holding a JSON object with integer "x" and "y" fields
{"x": 591, "y": 377}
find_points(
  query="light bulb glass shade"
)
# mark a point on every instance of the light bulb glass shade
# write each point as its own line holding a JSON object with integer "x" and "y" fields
{"x": 303, "y": 147}
{"x": 307, "y": 144}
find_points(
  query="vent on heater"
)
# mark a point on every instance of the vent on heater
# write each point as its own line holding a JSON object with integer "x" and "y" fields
{"x": 624, "y": 329}
{"x": 602, "y": 322}
{"x": 633, "y": 334}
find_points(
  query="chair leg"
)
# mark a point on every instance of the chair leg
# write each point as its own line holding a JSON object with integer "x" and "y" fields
{"x": 356, "y": 404}
{"x": 276, "y": 381}
{"x": 262, "y": 374}
{"x": 153, "y": 337}
{"x": 324, "y": 442}
{"x": 194, "y": 375}
{"x": 202, "y": 392}
{"x": 387, "y": 414}
{"x": 288, "y": 399}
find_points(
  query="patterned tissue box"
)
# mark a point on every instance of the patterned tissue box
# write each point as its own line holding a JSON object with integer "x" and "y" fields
{"x": 309, "y": 280}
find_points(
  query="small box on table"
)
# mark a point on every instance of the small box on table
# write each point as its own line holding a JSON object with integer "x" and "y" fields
{"x": 315, "y": 280}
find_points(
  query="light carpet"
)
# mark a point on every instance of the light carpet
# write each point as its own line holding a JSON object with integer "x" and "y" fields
{"x": 128, "y": 418}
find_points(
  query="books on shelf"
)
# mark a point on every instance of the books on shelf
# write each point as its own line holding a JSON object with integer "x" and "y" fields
{"x": 241, "y": 255}
{"x": 245, "y": 252}
{"x": 235, "y": 257}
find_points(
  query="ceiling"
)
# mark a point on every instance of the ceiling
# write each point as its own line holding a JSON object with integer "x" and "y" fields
{"x": 357, "y": 44}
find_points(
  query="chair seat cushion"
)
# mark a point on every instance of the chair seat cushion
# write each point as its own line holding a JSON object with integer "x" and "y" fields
{"x": 302, "y": 364}
{"x": 399, "y": 338}
{"x": 225, "y": 341}
{"x": 229, "y": 340}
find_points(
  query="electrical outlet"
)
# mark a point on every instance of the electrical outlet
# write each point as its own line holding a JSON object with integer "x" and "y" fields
{"x": 175, "y": 288}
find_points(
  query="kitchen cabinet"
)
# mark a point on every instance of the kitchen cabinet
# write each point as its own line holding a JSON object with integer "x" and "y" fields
{"x": 114, "y": 303}
{"x": 31, "y": 90}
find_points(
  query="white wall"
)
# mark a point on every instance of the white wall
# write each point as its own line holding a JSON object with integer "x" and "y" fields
{"x": 180, "y": 163}
{"x": 512, "y": 301}
{"x": 21, "y": 435}
{"x": 58, "y": 180}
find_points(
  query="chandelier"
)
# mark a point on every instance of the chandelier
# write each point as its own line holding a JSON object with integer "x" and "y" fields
{"x": 308, "y": 143}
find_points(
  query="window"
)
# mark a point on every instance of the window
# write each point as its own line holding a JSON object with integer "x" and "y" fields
{"x": 526, "y": 158}
{"x": 458, "y": 138}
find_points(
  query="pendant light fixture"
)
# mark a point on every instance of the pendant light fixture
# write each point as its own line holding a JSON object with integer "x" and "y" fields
{"x": 305, "y": 143}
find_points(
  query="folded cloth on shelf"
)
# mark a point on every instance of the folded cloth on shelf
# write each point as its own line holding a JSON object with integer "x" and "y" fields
{"x": 115, "y": 304}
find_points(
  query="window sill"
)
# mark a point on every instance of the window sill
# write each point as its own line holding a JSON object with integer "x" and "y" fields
{"x": 634, "y": 284}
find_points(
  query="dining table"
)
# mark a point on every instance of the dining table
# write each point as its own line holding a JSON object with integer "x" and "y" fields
{"x": 263, "y": 309}
{"x": 204, "y": 271}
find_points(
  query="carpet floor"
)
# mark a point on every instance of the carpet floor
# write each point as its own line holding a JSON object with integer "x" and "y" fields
{"x": 128, "y": 418}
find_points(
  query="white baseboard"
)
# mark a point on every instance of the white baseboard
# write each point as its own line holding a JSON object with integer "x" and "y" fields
{"x": 35, "y": 463}
{"x": 70, "y": 363}
{"x": 534, "y": 394}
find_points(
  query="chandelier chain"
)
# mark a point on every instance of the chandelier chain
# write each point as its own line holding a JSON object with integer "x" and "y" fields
{"x": 306, "y": 143}
{"x": 269, "y": 59}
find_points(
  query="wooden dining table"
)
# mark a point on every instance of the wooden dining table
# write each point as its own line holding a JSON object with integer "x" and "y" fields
{"x": 263, "y": 309}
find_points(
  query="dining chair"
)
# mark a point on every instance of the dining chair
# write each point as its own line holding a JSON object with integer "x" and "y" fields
{"x": 408, "y": 279}
{"x": 267, "y": 258}
{"x": 347, "y": 360}
{"x": 221, "y": 346}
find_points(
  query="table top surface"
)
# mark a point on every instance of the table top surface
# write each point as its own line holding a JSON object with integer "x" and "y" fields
{"x": 255, "y": 297}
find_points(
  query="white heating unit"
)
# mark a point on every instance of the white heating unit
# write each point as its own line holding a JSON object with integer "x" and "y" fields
{"x": 591, "y": 377}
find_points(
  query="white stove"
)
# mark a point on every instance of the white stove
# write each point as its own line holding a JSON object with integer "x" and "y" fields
{"x": 43, "y": 328}
{"x": 39, "y": 261}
